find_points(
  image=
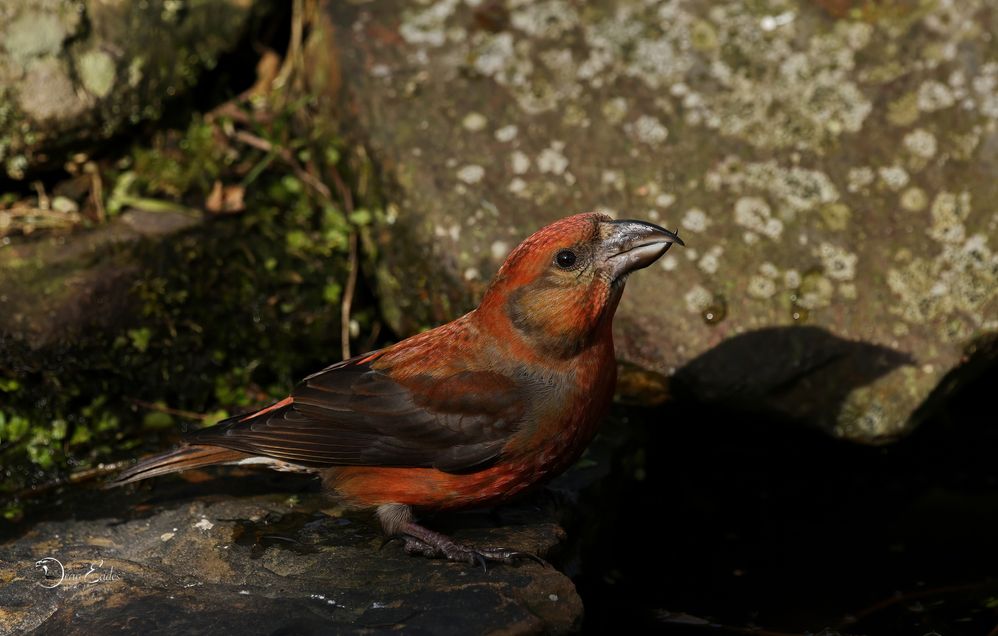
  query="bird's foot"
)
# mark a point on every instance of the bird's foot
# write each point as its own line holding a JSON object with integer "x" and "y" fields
{"x": 423, "y": 542}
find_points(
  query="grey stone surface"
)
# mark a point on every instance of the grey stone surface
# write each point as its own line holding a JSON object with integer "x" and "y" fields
{"x": 263, "y": 555}
{"x": 77, "y": 71}
{"x": 831, "y": 169}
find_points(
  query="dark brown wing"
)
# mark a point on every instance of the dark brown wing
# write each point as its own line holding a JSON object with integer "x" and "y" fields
{"x": 354, "y": 415}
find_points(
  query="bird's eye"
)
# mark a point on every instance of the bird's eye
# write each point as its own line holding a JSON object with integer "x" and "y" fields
{"x": 565, "y": 259}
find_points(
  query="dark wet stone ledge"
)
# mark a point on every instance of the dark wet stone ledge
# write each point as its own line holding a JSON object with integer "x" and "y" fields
{"x": 234, "y": 551}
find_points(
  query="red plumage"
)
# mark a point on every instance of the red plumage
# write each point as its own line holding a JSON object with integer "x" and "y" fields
{"x": 471, "y": 413}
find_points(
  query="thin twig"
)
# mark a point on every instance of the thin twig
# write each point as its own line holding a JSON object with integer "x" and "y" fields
{"x": 260, "y": 143}
{"x": 292, "y": 59}
{"x": 343, "y": 191}
{"x": 27, "y": 220}
{"x": 97, "y": 195}
{"x": 347, "y": 303}
{"x": 73, "y": 479}
{"x": 42, "y": 213}
{"x": 43, "y": 198}
{"x": 191, "y": 415}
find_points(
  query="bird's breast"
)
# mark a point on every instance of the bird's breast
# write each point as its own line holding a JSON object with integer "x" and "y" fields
{"x": 564, "y": 409}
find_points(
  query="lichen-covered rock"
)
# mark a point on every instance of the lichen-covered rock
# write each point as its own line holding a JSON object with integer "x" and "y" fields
{"x": 832, "y": 171}
{"x": 81, "y": 70}
{"x": 194, "y": 558}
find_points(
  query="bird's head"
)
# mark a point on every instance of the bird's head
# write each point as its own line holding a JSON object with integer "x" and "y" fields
{"x": 561, "y": 285}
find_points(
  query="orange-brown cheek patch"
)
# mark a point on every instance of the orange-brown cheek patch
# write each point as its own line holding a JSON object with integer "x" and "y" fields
{"x": 560, "y": 312}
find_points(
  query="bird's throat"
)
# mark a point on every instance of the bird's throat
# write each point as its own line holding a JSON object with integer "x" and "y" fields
{"x": 560, "y": 329}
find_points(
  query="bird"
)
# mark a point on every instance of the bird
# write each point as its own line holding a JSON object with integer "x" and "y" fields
{"x": 467, "y": 415}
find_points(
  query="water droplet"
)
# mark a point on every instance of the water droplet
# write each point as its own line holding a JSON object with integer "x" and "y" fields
{"x": 716, "y": 311}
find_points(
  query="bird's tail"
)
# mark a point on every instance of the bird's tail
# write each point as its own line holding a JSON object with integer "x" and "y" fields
{"x": 183, "y": 458}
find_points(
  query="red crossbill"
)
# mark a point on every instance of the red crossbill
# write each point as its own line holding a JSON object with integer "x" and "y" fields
{"x": 468, "y": 414}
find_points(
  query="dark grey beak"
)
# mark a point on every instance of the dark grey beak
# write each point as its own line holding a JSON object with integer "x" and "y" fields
{"x": 631, "y": 245}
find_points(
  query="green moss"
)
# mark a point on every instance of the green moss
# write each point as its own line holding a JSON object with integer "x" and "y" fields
{"x": 227, "y": 315}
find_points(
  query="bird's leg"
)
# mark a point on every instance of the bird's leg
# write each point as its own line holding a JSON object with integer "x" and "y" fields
{"x": 397, "y": 521}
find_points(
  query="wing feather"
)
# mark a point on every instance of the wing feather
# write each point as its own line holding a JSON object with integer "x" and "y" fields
{"x": 352, "y": 414}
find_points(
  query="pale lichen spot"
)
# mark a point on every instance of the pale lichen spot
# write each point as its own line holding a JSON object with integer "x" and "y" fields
{"x": 695, "y": 220}
{"x": 948, "y": 214}
{"x": 769, "y": 270}
{"x": 552, "y": 160}
{"x": 933, "y": 96}
{"x": 665, "y": 199}
{"x": 472, "y": 273}
{"x": 791, "y": 279}
{"x": 894, "y": 177}
{"x": 669, "y": 263}
{"x": 839, "y": 263}
{"x": 519, "y": 162}
{"x": 848, "y": 291}
{"x": 914, "y": 199}
{"x": 710, "y": 262}
{"x": 698, "y": 298}
{"x": 920, "y": 143}
{"x": 549, "y": 19}
{"x": 755, "y": 214}
{"x": 474, "y": 122}
{"x": 615, "y": 110}
{"x": 648, "y": 130}
{"x": 499, "y": 250}
{"x": 506, "y": 133}
{"x": 761, "y": 287}
{"x": 96, "y": 70}
{"x": 613, "y": 178}
{"x": 954, "y": 286}
{"x": 471, "y": 173}
{"x": 427, "y": 27}
{"x": 204, "y": 525}
{"x": 517, "y": 186}
{"x": 860, "y": 178}
{"x": 815, "y": 291}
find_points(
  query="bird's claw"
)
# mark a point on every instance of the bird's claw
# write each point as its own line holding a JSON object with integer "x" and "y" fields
{"x": 462, "y": 553}
{"x": 389, "y": 539}
{"x": 504, "y": 555}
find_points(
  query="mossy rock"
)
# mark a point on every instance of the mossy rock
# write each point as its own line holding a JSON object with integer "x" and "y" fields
{"x": 75, "y": 72}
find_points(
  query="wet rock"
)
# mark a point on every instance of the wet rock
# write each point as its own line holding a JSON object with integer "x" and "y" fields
{"x": 195, "y": 556}
{"x": 80, "y": 71}
{"x": 832, "y": 173}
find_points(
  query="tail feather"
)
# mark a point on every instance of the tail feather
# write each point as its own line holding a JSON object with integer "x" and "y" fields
{"x": 183, "y": 458}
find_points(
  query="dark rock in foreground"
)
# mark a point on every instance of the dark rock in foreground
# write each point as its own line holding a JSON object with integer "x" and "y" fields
{"x": 194, "y": 558}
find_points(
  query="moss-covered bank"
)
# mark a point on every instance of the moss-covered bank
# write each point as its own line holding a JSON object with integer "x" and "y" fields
{"x": 215, "y": 318}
